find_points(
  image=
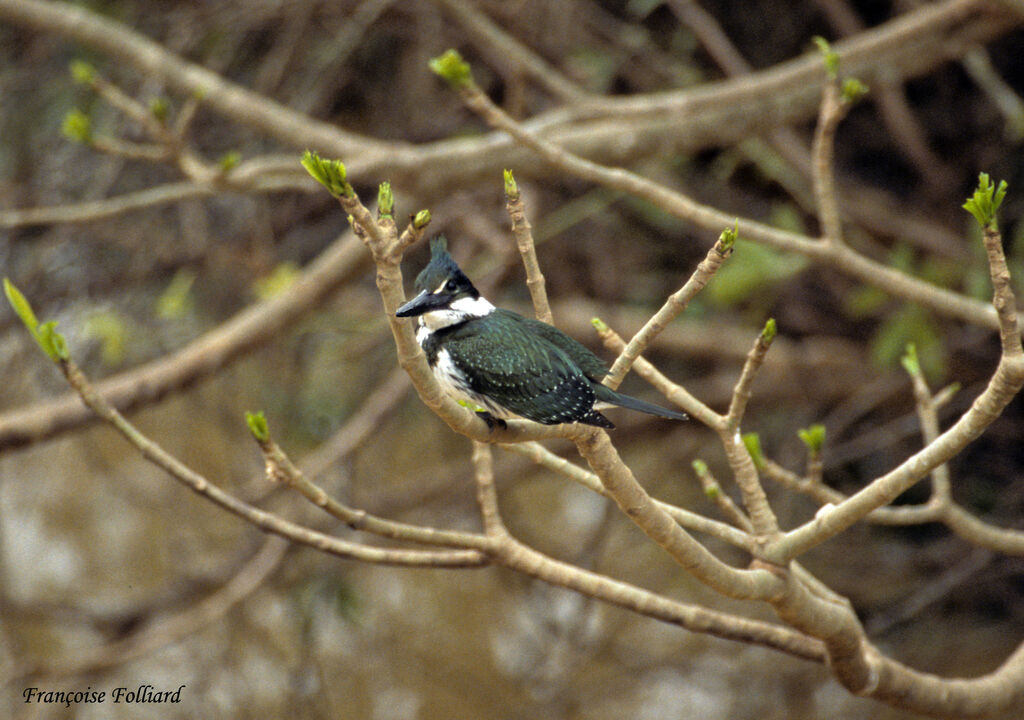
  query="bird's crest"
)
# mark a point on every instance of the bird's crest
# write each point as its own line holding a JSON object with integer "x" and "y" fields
{"x": 441, "y": 267}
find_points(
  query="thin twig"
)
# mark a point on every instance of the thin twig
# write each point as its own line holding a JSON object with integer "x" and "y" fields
{"x": 511, "y": 55}
{"x": 742, "y": 390}
{"x": 927, "y": 415}
{"x": 686, "y": 518}
{"x": 201, "y": 358}
{"x": 523, "y": 234}
{"x": 486, "y": 494}
{"x": 685, "y": 208}
{"x": 266, "y": 521}
{"x": 833, "y": 110}
{"x": 1005, "y": 383}
{"x": 674, "y": 392}
{"x": 661, "y": 528}
{"x": 281, "y": 469}
{"x": 713, "y": 491}
{"x": 675, "y": 304}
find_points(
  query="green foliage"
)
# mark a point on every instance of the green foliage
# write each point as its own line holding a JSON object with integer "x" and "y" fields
{"x": 258, "y": 426}
{"x": 83, "y": 72}
{"x": 753, "y": 268}
{"x": 45, "y": 335}
{"x": 902, "y": 324}
{"x": 278, "y": 281}
{"x": 329, "y": 173}
{"x": 910, "y": 361}
{"x": 787, "y": 216}
{"x": 77, "y": 127}
{"x": 21, "y": 306}
{"x": 110, "y": 329}
{"x": 985, "y": 202}
{"x": 52, "y": 342}
{"x": 511, "y": 188}
{"x": 865, "y": 301}
{"x": 813, "y": 437}
{"x": 643, "y": 8}
{"x": 176, "y": 301}
{"x": 160, "y": 108}
{"x": 600, "y": 325}
{"x": 768, "y": 333}
{"x": 593, "y": 68}
{"x": 853, "y": 90}
{"x": 752, "y": 441}
{"x": 728, "y": 236}
{"x": 452, "y": 68}
{"x": 830, "y": 57}
{"x": 910, "y": 324}
{"x": 421, "y": 219}
{"x": 385, "y": 200}
{"x": 712, "y": 490}
{"x": 229, "y": 160}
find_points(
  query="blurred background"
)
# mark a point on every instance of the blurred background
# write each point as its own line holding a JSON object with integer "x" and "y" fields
{"x": 114, "y": 575}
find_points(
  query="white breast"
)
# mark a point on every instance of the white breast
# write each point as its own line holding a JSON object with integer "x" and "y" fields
{"x": 454, "y": 382}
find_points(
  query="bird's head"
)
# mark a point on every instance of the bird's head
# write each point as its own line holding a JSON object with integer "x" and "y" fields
{"x": 445, "y": 295}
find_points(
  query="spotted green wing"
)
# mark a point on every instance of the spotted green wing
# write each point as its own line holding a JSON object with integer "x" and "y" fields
{"x": 520, "y": 368}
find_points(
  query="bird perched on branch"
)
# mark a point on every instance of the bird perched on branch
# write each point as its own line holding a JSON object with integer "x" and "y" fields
{"x": 503, "y": 363}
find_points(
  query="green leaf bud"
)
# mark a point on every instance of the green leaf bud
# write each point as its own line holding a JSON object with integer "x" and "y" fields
{"x": 452, "y": 68}
{"x": 813, "y": 437}
{"x": 77, "y": 127}
{"x": 752, "y": 441}
{"x": 258, "y": 426}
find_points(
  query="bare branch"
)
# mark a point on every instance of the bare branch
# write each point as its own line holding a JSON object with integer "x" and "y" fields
{"x": 659, "y": 526}
{"x": 487, "y": 496}
{"x": 523, "y": 234}
{"x": 1005, "y": 383}
{"x": 675, "y": 304}
{"x": 509, "y": 54}
{"x": 199, "y": 359}
{"x": 268, "y": 522}
{"x": 823, "y": 154}
{"x": 686, "y": 518}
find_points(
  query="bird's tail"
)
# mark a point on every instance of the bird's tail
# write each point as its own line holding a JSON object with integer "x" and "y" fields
{"x": 605, "y": 394}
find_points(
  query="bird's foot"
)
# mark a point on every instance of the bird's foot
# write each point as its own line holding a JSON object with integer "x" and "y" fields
{"x": 491, "y": 421}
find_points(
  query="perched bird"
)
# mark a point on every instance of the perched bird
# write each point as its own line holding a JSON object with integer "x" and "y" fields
{"x": 507, "y": 364}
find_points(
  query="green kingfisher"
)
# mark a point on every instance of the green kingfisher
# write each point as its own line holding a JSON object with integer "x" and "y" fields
{"x": 506, "y": 364}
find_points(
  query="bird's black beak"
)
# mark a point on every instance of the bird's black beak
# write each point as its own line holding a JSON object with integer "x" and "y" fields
{"x": 422, "y": 303}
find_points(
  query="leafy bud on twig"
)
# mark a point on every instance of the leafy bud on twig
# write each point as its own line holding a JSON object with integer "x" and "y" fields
{"x": 852, "y": 91}
{"x": 752, "y": 441}
{"x": 910, "y": 362}
{"x": 985, "y": 202}
{"x": 329, "y": 173}
{"x": 830, "y": 57}
{"x": 258, "y": 426}
{"x": 45, "y": 335}
{"x": 229, "y": 160}
{"x": 813, "y": 437}
{"x": 511, "y": 187}
{"x": 452, "y": 68}
{"x": 83, "y": 72}
{"x": 77, "y": 127}
{"x": 421, "y": 219}
{"x": 385, "y": 200}
{"x": 728, "y": 236}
